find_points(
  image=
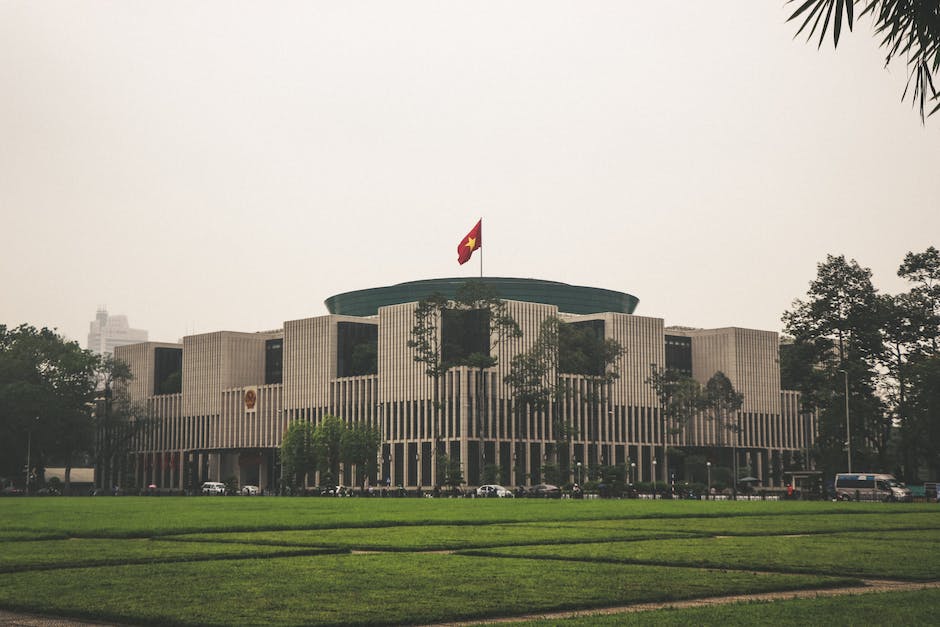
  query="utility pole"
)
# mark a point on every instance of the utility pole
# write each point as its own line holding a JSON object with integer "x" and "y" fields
{"x": 848, "y": 436}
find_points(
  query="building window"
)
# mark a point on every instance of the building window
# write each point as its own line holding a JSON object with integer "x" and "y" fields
{"x": 273, "y": 361}
{"x": 167, "y": 370}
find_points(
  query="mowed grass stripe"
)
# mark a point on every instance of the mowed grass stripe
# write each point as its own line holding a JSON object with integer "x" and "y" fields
{"x": 153, "y": 516}
{"x": 365, "y": 589}
{"x": 902, "y": 557}
{"x": 884, "y": 608}
{"x": 434, "y": 537}
{"x": 72, "y": 553}
{"x": 833, "y": 522}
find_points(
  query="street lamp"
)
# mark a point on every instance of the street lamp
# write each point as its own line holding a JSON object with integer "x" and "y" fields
{"x": 29, "y": 448}
{"x": 708, "y": 465}
{"x": 579, "y": 473}
{"x": 848, "y": 437}
{"x": 632, "y": 472}
{"x": 654, "y": 477}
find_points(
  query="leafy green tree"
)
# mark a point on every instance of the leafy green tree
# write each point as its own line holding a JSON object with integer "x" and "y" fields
{"x": 908, "y": 28}
{"x": 680, "y": 399}
{"x": 837, "y": 331}
{"x": 911, "y": 333}
{"x": 430, "y": 347}
{"x": 359, "y": 446}
{"x": 583, "y": 350}
{"x": 453, "y": 475}
{"x": 47, "y": 386}
{"x": 723, "y": 402}
{"x": 119, "y": 425}
{"x": 298, "y": 454}
{"x": 327, "y": 444}
{"x": 536, "y": 383}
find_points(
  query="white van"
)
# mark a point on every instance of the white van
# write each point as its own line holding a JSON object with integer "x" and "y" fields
{"x": 870, "y": 487}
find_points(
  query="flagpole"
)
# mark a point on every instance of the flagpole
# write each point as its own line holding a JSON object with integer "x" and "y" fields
{"x": 481, "y": 249}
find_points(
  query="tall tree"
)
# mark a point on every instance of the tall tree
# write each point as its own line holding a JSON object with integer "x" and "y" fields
{"x": 298, "y": 454}
{"x": 359, "y": 445}
{"x": 480, "y": 297}
{"x": 475, "y": 309}
{"x": 680, "y": 399}
{"x": 723, "y": 404}
{"x": 907, "y": 28}
{"x": 47, "y": 386}
{"x": 536, "y": 383}
{"x": 119, "y": 425}
{"x": 912, "y": 331}
{"x": 327, "y": 444}
{"x": 837, "y": 330}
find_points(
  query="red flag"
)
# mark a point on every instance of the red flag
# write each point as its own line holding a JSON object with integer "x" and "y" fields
{"x": 470, "y": 243}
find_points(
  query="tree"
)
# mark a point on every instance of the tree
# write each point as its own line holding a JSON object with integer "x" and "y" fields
{"x": 327, "y": 443}
{"x": 359, "y": 446}
{"x": 453, "y": 475}
{"x": 680, "y": 399}
{"x": 118, "y": 424}
{"x": 909, "y": 28}
{"x": 440, "y": 351}
{"x": 535, "y": 377}
{"x": 47, "y": 386}
{"x": 583, "y": 350}
{"x": 837, "y": 331}
{"x": 723, "y": 404}
{"x": 911, "y": 332}
{"x": 298, "y": 454}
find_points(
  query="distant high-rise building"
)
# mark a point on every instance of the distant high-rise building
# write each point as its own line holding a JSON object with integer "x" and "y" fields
{"x": 106, "y": 332}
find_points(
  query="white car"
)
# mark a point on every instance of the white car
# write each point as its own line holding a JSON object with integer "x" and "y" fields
{"x": 250, "y": 490}
{"x": 210, "y": 488}
{"x": 494, "y": 491}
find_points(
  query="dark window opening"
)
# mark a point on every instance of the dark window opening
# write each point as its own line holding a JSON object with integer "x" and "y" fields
{"x": 581, "y": 347}
{"x": 167, "y": 370}
{"x": 679, "y": 354}
{"x": 273, "y": 361}
{"x": 464, "y": 333}
{"x": 357, "y": 351}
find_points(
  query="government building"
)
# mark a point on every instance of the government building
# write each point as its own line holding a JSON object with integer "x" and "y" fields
{"x": 220, "y": 402}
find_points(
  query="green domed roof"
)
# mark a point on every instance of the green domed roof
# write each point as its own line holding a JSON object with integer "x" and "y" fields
{"x": 573, "y": 299}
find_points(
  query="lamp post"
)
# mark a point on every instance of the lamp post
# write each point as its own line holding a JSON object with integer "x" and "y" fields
{"x": 632, "y": 471}
{"x": 29, "y": 448}
{"x": 848, "y": 436}
{"x": 708, "y": 465}
{"x": 579, "y": 473}
{"x": 654, "y": 478}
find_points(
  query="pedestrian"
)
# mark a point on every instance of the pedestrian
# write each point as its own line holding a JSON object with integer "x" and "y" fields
{"x": 789, "y": 490}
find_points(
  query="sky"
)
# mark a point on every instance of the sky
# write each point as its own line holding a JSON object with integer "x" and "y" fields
{"x": 205, "y": 166}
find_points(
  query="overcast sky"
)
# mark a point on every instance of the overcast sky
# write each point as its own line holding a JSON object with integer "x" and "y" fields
{"x": 224, "y": 165}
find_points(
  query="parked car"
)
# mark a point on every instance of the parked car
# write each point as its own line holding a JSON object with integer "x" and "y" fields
{"x": 213, "y": 488}
{"x": 11, "y": 490}
{"x": 544, "y": 491}
{"x": 494, "y": 491}
{"x": 250, "y": 490}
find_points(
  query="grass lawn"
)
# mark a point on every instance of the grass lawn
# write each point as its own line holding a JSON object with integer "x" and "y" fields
{"x": 885, "y": 608}
{"x": 379, "y": 589}
{"x": 42, "y": 554}
{"x": 882, "y": 555}
{"x": 274, "y": 560}
{"x": 436, "y": 537}
{"x": 150, "y": 516}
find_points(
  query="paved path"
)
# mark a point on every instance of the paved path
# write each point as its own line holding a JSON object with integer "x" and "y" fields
{"x": 871, "y": 585}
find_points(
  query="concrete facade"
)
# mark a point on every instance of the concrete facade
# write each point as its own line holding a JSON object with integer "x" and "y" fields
{"x": 209, "y": 430}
